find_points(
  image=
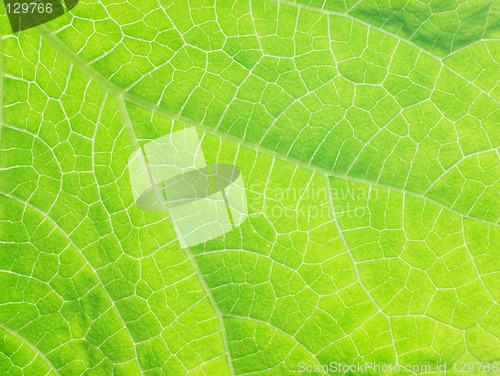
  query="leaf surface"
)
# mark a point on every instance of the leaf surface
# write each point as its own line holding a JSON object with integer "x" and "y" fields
{"x": 370, "y": 153}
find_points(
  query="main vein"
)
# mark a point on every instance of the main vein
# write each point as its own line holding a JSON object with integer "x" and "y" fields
{"x": 97, "y": 77}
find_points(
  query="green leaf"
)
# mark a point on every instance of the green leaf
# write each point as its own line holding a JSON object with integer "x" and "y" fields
{"x": 367, "y": 136}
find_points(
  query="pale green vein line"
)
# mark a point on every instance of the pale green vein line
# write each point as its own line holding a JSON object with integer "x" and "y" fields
{"x": 80, "y": 252}
{"x": 84, "y": 67}
{"x": 481, "y": 41}
{"x": 80, "y": 63}
{"x": 286, "y": 158}
{"x": 454, "y": 165}
{"x": 356, "y": 269}
{"x": 218, "y": 312}
{"x": 258, "y": 255}
{"x": 32, "y": 347}
{"x": 157, "y": 189}
{"x": 279, "y": 330}
{"x": 384, "y": 31}
{"x": 1, "y": 88}
{"x": 473, "y": 261}
{"x": 486, "y": 23}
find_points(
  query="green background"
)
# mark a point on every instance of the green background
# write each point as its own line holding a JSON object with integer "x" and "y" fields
{"x": 368, "y": 136}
